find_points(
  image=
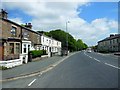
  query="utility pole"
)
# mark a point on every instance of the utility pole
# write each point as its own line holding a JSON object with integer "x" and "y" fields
{"x": 67, "y": 36}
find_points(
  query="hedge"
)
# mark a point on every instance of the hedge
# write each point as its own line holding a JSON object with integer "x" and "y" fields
{"x": 37, "y": 53}
{"x": 3, "y": 68}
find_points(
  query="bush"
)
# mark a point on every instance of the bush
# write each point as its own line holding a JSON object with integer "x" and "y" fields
{"x": 44, "y": 52}
{"x": 37, "y": 53}
{"x": 3, "y": 68}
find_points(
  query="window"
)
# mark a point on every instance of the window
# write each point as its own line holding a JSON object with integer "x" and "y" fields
{"x": 43, "y": 39}
{"x": 52, "y": 42}
{"x": 117, "y": 40}
{"x": 43, "y": 47}
{"x": 11, "y": 48}
{"x": 13, "y": 31}
{"x": 17, "y": 48}
{"x": 113, "y": 41}
{"x": 52, "y": 48}
{"x": 25, "y": 34}
{"x": 110, "y": 41}
{"x": 49, "y": 41}
{"x": 28, "y": 48}
{"x": 24, "y": 48}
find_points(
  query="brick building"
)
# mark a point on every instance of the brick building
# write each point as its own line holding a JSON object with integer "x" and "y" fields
{"x": 16, "y": 39}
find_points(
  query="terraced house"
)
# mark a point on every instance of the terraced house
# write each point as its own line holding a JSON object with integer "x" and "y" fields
{"x": 110, "y": 44}
{"x": 10, "y": 38}
{"x": 52, "y": 46}
{"x": 17, "y": 40}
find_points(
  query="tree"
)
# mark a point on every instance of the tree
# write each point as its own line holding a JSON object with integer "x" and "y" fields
{"x": 80, "y": 44}
{"x": 85, "y": 46}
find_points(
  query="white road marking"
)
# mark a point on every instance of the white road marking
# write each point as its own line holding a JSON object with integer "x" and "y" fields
{"x": 90, "y": 57}
{"x": 112, "y": 65}
{"x": 104, "y": 63}
{"x": 40, "y": 74}
{"x": 31, "y": 82}
{"x": 86, "y": 54}
{"x": 96, "y": 59}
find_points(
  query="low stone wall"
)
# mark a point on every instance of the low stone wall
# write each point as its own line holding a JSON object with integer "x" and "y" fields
{"x": 17, "y": 62}
{"x": 11, "y": 63}
{"x": 40, "y": 58}
{"x": 44, "y": 56}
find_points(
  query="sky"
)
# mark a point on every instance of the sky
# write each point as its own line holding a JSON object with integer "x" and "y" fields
{"x": 89, "y": 21}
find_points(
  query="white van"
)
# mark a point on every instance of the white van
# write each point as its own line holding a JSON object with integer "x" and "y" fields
{"x": 89, "y": 50}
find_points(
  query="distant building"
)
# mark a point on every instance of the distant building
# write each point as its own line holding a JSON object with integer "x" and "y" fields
{"x": 110, "y": 44}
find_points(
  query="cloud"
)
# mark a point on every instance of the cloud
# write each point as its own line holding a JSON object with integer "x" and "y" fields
{"x": 17, "y": 20}
{"x": 94, "y": 31}
{"x": 54, "y": 15}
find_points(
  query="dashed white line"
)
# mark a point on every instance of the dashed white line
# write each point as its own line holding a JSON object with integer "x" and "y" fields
{"x": 96, "y": 59}
{"x": 90, "y": 57}
{"x": 31, "y": 82}
{"x": 104, "y": 63}
{"x": 112, "y": 65}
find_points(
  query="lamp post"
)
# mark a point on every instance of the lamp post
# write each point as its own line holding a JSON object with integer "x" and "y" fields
{"x": 67, "y": 35}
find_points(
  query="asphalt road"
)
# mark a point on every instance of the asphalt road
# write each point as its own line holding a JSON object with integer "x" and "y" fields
{"x": 82, "y": 70}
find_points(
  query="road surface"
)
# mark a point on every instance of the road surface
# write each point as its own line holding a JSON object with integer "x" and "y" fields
{"x": 81, "y": 70}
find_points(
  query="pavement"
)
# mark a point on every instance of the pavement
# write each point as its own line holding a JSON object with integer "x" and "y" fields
{"x": 31, "y": 67}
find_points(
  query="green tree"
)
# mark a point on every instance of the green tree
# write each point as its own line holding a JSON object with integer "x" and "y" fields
{"x": 85, "y": 46}
{"x": 80, "y": 44}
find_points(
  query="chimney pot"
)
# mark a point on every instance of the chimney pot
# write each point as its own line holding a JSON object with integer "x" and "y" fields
{"x": 111, "y": 35}
{"x": 28, "y": 25}
{"x": 3, "y": 14}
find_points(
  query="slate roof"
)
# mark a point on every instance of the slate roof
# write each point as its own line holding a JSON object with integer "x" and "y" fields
{"x": 110, "y": 38}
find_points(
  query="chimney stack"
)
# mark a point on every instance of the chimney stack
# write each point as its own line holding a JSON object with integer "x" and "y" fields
{"x": 28, "y": 25}
{"x": 3, "y": 14}
{"x": 111, "y": 35}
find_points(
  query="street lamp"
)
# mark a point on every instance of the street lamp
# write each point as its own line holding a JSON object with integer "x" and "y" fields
{"x": 67, "y": 35}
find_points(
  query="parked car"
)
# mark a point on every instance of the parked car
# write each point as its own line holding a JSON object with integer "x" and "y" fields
{"x": 64, "y": 53}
